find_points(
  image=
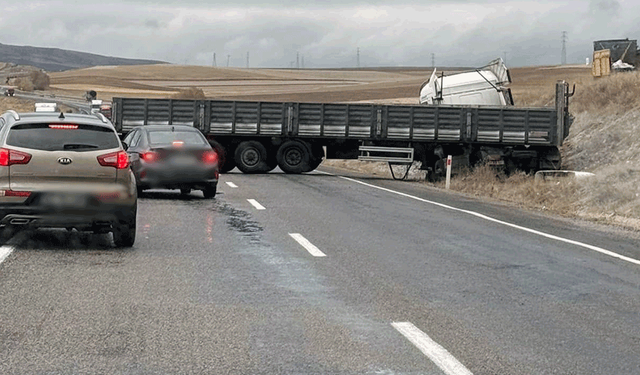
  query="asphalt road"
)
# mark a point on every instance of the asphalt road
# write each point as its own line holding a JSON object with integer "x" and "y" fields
{"x": 393, "y": 281}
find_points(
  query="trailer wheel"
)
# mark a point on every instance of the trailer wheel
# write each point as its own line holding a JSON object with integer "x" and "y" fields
{"x": 317, "y": 156}
{"x": 228, "y": 165}
{"x": 225, "y": 162}
{"x": 438, "y": 171}
{"x": 251, "y": 157}
{"x": 293, "y": 157}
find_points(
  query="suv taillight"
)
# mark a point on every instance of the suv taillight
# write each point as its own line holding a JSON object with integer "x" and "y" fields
{"x": 9, "y": 157}
{"x": 118, "y": 160}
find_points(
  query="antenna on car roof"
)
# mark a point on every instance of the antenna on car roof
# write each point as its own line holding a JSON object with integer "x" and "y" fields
{"x": 61, "y": 115}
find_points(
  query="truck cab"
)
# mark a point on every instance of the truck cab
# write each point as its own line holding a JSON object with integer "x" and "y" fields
{"x": 483, "y": 86}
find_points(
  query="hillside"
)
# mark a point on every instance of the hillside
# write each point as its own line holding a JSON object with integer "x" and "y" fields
{"x": 55, "y": 59}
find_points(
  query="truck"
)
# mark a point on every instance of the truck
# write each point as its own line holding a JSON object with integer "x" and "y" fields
{"x": 618, "y": 55}
{"x": 257, "y": 136}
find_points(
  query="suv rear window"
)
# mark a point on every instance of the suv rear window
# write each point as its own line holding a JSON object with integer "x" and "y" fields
{"x": 167, "y": 137}
{"x": 58, "y": 137}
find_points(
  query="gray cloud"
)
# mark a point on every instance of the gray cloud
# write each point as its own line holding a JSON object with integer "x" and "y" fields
{"x": 327, "y": 34}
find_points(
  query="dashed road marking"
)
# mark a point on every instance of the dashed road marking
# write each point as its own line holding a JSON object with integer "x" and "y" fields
{"x": 436, "y": 353}
{"x": 231, "y": 184}
{"x": 255, "y": 204}
{"x": 489, "y": 218}
{"x": 10, "y": 246}
{"x": 311, "y": 248}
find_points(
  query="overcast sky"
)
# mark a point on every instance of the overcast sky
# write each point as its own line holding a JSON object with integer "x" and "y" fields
{"x": 323, "y": 33}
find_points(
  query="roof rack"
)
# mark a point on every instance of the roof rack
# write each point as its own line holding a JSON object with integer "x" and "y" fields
{"x": 102, "y": 117}
{"x": 13, "y": 113}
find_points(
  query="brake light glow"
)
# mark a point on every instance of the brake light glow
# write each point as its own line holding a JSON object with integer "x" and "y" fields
{"x": 149, "y": 156}
{"x": 210, "y": 157}
{"x": 9, "y": 157}
{"x": 63, "y": 126}
{"x": 178, "y": 143}
{"x": 118, "y": 160}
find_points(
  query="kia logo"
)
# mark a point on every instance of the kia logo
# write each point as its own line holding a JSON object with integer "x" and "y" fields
{"x": 65, "y": 161}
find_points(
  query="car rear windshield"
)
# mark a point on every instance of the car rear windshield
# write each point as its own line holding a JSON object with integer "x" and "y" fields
{"x": 58, "y": 137}
{"x": 167, "y": 137}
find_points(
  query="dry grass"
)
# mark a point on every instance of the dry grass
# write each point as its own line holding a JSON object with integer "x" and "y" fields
{"x": 603, "y": 140}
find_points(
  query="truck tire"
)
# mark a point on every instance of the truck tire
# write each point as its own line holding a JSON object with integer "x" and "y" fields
{"x": 251, "y": 157}
{"x": 438, "y": 170}
{"x": 293, "y": 157}
{"x": 225, "y": 163}
{"x": 317, "y": 156}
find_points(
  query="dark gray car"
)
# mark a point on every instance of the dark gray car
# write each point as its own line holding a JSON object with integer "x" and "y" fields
{"x": 172, "y": 157}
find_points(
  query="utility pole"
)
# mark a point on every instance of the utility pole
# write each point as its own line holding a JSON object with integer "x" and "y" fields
{"x": 433, "y": 60}
{"x": 214, "y": 60}
{"x": 297, "y": 60}
{"x": 247, "y": 59}
{"x": 228, "y": 57}
{"x": 563, "y": 60}
{"x": 358, "y": 57}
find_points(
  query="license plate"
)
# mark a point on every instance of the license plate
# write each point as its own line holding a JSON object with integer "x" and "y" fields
{"x": 183, "y": 160}
{"x": 64, "y": 200}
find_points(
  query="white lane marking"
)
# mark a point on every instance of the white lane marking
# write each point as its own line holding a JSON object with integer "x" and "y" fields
{"x": 231, "y": 184}
{"x": 5, "y": 251}
{"x": 10, "y": 246}
{"x": 436, "y": 353}
{"x": 255, "y": 204}
{"x": 307, "y": 245}
{"x": 485, "y": 217}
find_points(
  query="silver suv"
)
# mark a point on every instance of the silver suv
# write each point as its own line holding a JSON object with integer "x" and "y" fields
{"x": 66, "y": 171}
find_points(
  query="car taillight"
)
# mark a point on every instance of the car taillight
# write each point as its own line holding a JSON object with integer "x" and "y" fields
{"x": 210, "y": 157}
{"x": 9, "y": 157}
{"x": 177, "y": 143}
{"x": 149, "y": 156}
{"x": 14, "y": 193}
{"x": 118, "y": 160}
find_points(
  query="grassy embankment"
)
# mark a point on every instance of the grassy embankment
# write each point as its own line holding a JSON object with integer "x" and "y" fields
{"x": 603, "y": 140}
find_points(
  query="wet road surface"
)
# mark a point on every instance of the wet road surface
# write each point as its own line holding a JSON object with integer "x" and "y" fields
{"x": 403, "y": 286}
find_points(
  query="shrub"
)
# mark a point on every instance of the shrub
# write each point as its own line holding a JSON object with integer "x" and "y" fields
{"x": 190, "y": 93}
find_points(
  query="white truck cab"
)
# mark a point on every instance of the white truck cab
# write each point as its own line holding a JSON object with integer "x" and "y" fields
{"x": 483, "y": 86}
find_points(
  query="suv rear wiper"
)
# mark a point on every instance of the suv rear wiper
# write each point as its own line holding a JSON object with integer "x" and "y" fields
{"x": 75, "y": 146}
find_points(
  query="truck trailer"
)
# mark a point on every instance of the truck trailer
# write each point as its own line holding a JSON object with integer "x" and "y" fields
{"x": 256, "y": 136}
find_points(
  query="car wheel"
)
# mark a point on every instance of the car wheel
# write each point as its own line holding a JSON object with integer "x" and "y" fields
{"x": 210, "y": 191}
{"x": 124, "y": 232}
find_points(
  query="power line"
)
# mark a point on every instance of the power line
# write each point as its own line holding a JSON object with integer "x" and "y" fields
{"x": 563, "y": 60}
